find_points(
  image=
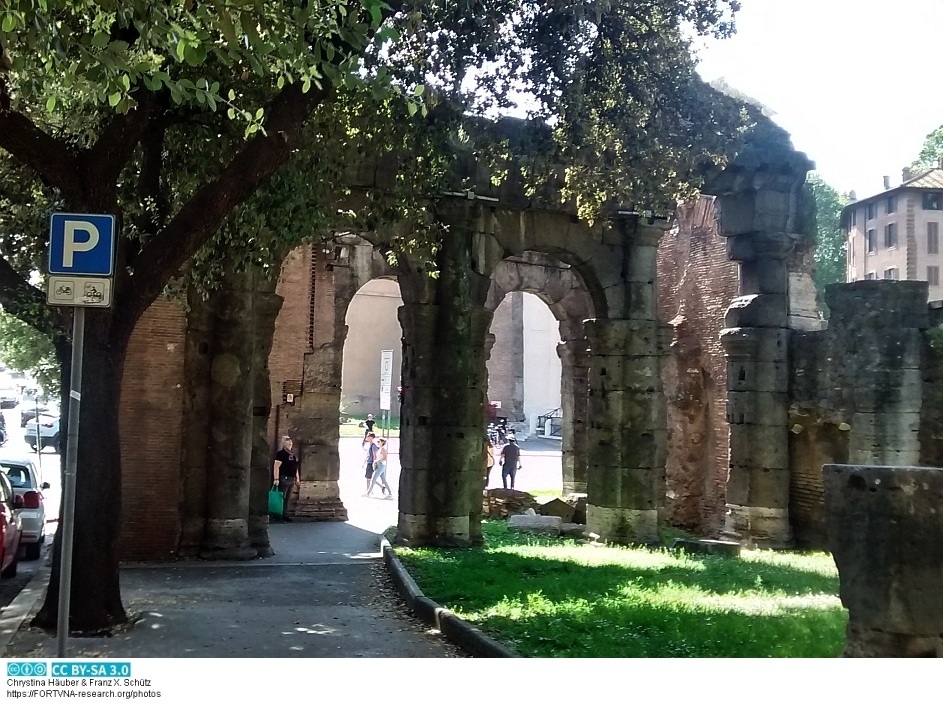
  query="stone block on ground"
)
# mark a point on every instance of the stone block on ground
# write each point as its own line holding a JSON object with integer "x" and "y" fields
{"x": 501, "y": 503}
{"x": 544, "y": 525}
{"x": 572, "y": 530}
{"x": 578, "y": 502}
{"x": 557, "y": 507}
{"x": 727, "y": 548}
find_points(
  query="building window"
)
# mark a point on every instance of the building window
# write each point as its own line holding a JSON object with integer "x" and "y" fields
{"x": 890, "y": 235}
{"x": 933, "y": 201}
{"x": 933, "y": 238}
{"x": 870, "y": 276}
{"x": 854, "y": 218}
{"x": 891, "y": 273}
{"x": 872, "y": 211}
{"x": 872, "y": 241}
{"x": 891, "y": 204}
{"x": 933, "y": 275}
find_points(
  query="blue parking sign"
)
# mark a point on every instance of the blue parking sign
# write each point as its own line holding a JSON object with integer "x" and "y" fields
{"x": 81, "y": 244}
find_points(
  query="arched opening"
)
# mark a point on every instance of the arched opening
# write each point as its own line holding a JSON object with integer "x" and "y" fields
{"x": 549, "y": 396}
{"x": 370, "y": 379}
{"x": 524, "y": 388}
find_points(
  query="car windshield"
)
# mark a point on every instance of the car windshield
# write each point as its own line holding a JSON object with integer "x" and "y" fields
{"x": 18, "y": 474}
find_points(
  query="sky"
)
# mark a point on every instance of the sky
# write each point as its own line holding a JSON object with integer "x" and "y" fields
{"x": 857, "y": 83}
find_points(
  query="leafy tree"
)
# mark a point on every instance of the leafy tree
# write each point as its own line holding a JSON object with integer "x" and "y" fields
{"x": 830, "y": 261}
{"x": 25, "y": 349}
{"x": 931, "y": 152}
{"x": 179, "y": 116}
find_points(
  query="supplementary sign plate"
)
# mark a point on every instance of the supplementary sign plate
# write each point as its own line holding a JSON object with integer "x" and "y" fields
{"x": 91, "y": 291}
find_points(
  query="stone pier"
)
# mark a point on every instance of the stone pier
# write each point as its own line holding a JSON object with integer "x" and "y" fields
{"x": 626, "y": 411}
{"x": 885, "y": 531}
{"x": 755, "y": 344}
{"x": 444, "y": 377}
{"x": 574, "y": 356}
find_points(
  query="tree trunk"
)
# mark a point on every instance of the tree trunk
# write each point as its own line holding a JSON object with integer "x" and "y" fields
{"x": 95, "y": 594}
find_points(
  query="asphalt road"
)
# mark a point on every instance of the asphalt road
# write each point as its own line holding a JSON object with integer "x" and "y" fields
{"x": 48, "y": 462}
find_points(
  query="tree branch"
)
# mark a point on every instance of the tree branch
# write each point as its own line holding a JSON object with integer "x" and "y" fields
{"x": 195, "y": 223}
{"x": 102, "y": 162}
{"x": 53, "y": 159}
{"x": 28, "y": 303}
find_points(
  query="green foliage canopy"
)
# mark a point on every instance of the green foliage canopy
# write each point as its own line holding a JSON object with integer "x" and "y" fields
{"x": 931, "y": 152}
{"x": 830, "y": 257}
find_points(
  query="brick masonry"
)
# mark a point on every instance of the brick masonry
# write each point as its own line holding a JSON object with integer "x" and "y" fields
{"x": 696, "y": 282}
{"x": 151, "y": 435}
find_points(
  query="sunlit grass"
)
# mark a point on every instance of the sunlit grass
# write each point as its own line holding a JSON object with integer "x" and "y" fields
{"x": 552, "y": 598}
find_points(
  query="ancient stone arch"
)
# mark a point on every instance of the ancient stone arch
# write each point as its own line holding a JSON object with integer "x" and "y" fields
{"x": 562, "y": 289}
{"x": 761, "y": 212}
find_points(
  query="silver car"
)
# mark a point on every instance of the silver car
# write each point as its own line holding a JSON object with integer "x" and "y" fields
{"x": 24, "y": 478}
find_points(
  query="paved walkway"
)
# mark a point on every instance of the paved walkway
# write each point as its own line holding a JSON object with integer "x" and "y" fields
{"x": 325, "y": 594}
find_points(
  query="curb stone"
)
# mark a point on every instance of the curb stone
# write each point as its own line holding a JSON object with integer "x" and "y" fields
{"x": 458, "y": 631}
{"x": 23, "y": 606}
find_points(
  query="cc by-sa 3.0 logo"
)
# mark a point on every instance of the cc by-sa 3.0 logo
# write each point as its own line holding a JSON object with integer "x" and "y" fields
{"x": 26, "y": 669}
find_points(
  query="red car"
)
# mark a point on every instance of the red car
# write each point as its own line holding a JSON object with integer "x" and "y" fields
{"x": 11, "y": 528}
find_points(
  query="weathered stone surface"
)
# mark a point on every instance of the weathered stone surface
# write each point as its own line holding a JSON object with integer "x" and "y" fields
{"x": 758, "y": 310}
{"x": 623, "y": 525}
{"x": 578, "y": 501}
{"x": 728, "y": 548}
{"x": 758, "y": 526}
{"x": 548, "y": 525}
{"x": 557, "y": 507}
{"x": 885, "y": 531}
{"x": 572, "y": 530}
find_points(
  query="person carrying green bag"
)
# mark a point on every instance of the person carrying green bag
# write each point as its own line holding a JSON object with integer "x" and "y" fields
{"x": 286, "y": 475}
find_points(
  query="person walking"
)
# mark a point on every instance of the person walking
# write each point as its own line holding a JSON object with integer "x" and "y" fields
{"x": 379, "y": 471}
{"x": 286, "y": 473}
{"x": 370, "y": 445}
{"x": 368, "y": 424}
{"x": 510, "y": 461}
{"x": 489, "y": 461}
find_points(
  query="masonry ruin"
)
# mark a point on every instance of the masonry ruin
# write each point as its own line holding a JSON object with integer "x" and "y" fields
{"x": 700, "y": 387}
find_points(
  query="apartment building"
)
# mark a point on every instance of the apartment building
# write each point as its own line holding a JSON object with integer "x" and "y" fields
{"x": 896, "y": 234}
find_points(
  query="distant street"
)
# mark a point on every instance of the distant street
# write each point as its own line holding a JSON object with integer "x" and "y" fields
{"x": 540, "y": 461}
{"x": 48, "y": 463}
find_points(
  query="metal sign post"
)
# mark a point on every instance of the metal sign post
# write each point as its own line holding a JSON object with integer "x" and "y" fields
{"x": 81, "y": 267}
{"x": 386, "y": 381}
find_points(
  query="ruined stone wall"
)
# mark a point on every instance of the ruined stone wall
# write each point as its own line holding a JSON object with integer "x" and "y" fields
{"x": 292, "y": 332}
{"x": 506, "y": 358}
{"x": 151, "y": 435}
{"x": 931, "y": 417}
{"x": 857, "y": 392}
{"x": 696, "y": 282}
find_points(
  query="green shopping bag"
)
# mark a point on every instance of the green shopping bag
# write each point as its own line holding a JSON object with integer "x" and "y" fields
{"x": 276, "y": 502}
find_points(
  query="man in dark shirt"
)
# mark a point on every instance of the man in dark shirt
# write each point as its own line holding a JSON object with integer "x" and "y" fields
{"x": 510, "y": 461}
{"x": 286, "y": 473}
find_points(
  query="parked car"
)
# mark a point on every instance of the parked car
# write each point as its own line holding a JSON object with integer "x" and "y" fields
{"x": 28, "y": 412}
{"x": 47, "y": 428}
{"x": 9, "y": 397}
{"x": 24, "y": 478}
{"x": 11, "y": 529}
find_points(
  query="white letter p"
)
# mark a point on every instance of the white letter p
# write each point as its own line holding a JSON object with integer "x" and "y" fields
{"x": 70, "y": 246}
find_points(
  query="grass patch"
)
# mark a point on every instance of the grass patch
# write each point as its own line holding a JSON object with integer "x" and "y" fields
{"x": 354, "y": 427}
{"x": 557, "y": 598}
